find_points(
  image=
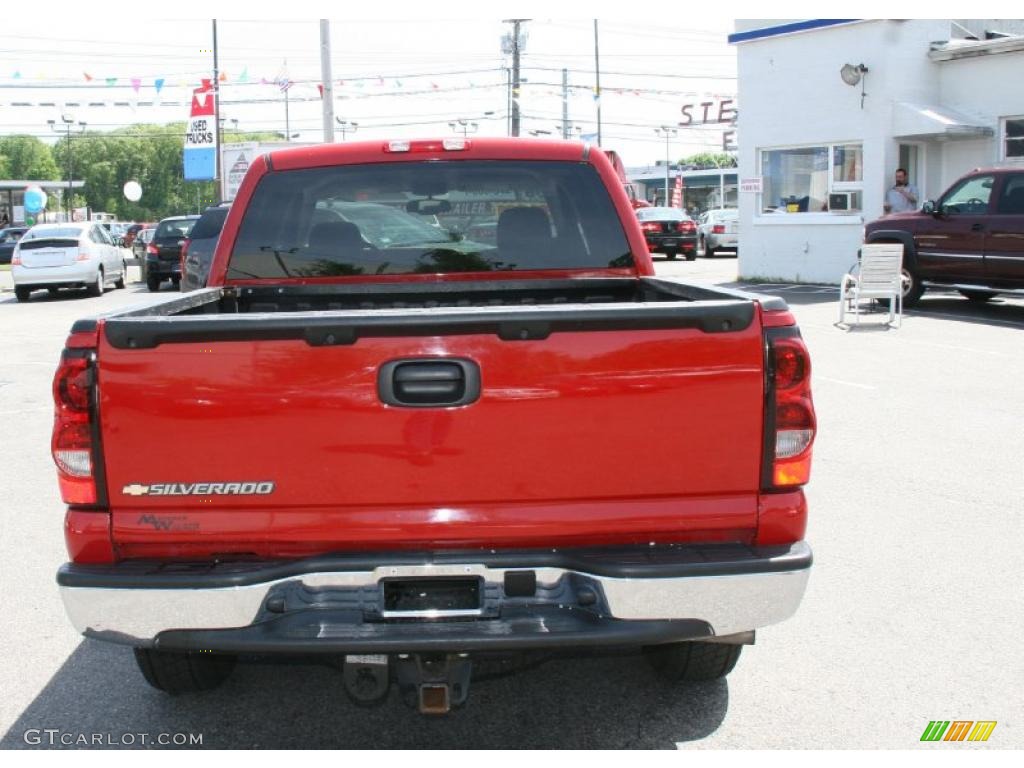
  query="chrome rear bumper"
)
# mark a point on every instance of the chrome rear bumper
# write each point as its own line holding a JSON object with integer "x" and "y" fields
{"x": 706, "y": 591}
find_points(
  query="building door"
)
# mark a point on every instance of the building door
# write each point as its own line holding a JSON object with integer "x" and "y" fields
{"x": 1004, "y": 243}
{"x": 912, "y": 161}
{"x": 951, "y": 246}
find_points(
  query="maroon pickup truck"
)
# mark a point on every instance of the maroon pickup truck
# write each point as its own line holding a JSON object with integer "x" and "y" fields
{"x": 373, "y": 439}
{"x": 970, "y": 239}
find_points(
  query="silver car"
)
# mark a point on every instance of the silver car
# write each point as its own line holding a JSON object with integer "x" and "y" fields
{"x": 718, "y": 230}
{"x": 71, "y": 255}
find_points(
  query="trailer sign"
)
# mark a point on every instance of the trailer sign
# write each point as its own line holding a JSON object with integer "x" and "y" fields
{"x": 200, "y": 156}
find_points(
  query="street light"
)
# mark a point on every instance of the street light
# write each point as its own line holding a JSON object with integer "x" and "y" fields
{"x": 539, "y": 132}
{"x": 467, "y": 127}
{"x": 668, "y": 132}
{"x": 68, "y": 121}
{"x": 346, "y": 126}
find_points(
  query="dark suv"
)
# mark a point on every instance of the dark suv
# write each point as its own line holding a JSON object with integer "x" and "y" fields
{"x": 197, "y": 252}
{"x": 163, "y": 254}
{"x": 970, "y": 239}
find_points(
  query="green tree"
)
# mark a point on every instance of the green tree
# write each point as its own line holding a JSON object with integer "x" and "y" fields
{"x": 26, "y": 157}
{"x": 710, "y": 160}
{"x": 148, "y": 154}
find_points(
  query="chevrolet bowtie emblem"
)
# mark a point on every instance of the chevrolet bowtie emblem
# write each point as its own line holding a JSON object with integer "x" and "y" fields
{"x": 135, "y": 490}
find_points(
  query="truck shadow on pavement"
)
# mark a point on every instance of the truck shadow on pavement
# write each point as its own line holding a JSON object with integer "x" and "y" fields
{"x": 600, "y": 702}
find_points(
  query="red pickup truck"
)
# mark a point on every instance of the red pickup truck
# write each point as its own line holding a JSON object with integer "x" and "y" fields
{"x": 374, "y": 439}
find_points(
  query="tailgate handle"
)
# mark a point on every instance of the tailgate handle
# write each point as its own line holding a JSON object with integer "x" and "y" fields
{"x": 429, "y": 383}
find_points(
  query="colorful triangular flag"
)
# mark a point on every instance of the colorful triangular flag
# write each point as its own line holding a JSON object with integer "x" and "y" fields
{"x": 136, "y": 84}
{"x": 158, "y": 84}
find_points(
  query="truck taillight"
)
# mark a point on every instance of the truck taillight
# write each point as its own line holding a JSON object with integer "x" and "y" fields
{"x": 790, "y": 419}
{"x": 184, "y": 252}
{"x": 650, "y": 226}
{"x": 686, "y": 226}
{"x": 72, "y": 444}
{"x": 152, "y": 250}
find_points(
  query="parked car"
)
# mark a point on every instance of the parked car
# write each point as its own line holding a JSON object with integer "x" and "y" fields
{"x": 328, "y": 479}
{"x": 9, "y": 238}
{"x": 970, "y": 239}
{"x": 69, "y": 255}
{"x": 197, "y": 252}
{"x": 132, "y": 232}
{"x": 139, "y": 243}
{"x": 669, "y": 230}
{"x": 163, "y": 252}
{"x": 717, "y": 230}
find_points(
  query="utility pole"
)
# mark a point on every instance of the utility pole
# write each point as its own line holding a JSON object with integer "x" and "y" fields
{"x": 668, "y": 132}
{"x": 508, "y": 109}
{"x": 597, "y": 74}
{"x": 325, "y": 77}
{"x": 514, "y": 48}
{"x": 565, "y": 103}
{"x": 218, "y": 182}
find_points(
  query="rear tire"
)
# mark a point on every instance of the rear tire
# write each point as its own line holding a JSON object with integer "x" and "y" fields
{"x": 153, "y": 283}
{"x": 21, "y": 293}
{"x": 979, "y": 296}
{"x": 176, "y": 673}
{"x": 691, "y": 256}
{"x": 124, "y": 273}
{"x": 709, "y": 252}
{"x": 96, "y": 289}
{"x": 693, "y": 661}
{"x": 671, "y": 255}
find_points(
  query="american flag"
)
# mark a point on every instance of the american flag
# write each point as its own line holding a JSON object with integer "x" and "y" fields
{"x": 677, "y": 193}
{"x": 282, "y": 81}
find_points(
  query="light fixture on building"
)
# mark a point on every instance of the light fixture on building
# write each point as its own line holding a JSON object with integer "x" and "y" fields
{"x": 853, "y": 74}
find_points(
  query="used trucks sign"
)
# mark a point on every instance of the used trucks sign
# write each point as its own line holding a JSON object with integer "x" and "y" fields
{"x": 200, "y": 156}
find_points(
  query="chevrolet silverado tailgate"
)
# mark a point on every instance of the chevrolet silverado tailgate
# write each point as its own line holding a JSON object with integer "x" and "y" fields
{"x": 603, "y": 425}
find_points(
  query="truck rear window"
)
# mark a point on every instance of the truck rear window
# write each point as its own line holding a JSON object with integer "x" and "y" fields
{"x": 429, "y": 217}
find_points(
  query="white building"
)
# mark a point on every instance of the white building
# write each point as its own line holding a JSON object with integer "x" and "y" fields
{"x": 935, "y": 96}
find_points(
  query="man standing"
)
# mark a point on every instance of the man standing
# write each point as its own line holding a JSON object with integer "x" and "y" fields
{"x": 901, "y": 196}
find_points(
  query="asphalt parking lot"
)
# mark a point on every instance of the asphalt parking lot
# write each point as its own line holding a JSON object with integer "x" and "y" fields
{"x": 913, "y": 611}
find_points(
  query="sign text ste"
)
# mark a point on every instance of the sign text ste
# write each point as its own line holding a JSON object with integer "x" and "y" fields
{"x": 725, "y": 113}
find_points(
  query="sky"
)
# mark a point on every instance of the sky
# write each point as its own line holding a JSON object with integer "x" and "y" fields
{"x": 397, "y": 77}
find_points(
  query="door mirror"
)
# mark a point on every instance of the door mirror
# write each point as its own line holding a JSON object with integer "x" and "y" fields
{"x": 929, "y": 207}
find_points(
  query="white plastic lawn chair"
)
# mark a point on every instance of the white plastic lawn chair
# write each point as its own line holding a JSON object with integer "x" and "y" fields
{"x": 879, "y": 277}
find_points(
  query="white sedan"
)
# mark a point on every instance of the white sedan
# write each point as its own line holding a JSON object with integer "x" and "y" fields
{"x": 718, "y": 230}
{"x": 71, "y": 255}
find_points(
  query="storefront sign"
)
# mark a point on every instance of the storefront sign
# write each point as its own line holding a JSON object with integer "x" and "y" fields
{"x": 709, "y": 112}
{"x": 751, "y": 186}
{"x": 235, "y": 160}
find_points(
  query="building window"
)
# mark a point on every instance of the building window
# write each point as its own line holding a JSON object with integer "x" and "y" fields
{"x": 1013, "y": 138}
{"x": 813, "y": 179}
